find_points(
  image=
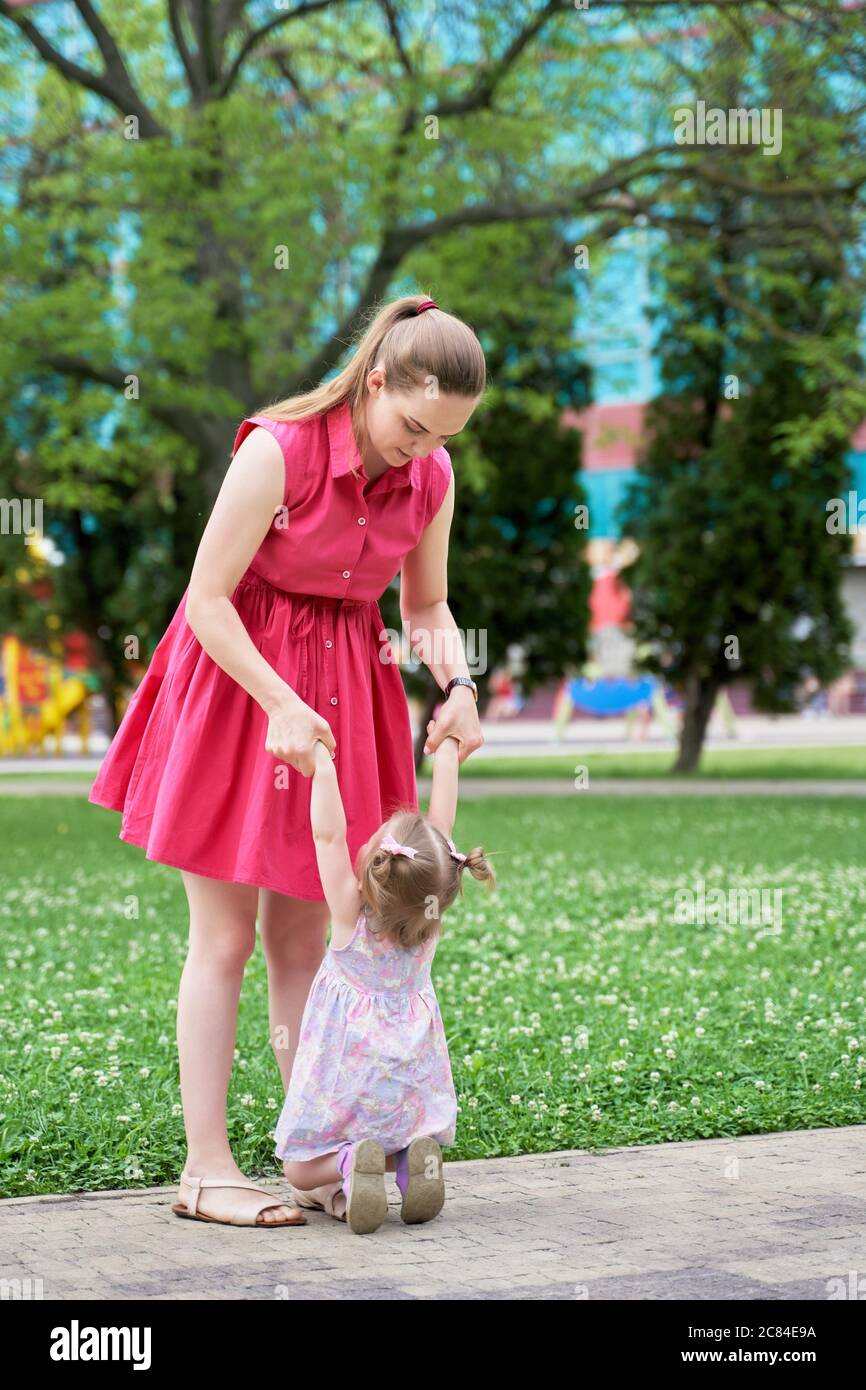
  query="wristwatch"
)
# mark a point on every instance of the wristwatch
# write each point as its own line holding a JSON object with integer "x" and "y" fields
{"x": 461, "y": 680}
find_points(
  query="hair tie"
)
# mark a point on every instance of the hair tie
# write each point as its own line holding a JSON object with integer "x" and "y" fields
{"x": 390, "y": 844}
{"x": 426, "y": 304}
{"x": 455, "y": 853}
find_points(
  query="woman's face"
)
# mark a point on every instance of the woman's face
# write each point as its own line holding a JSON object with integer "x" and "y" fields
{"x": 404, "y": 425}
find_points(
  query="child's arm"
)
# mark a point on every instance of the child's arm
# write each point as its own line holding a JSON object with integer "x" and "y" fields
{"x": 328, "y": 822}
{"x": 443, "y": 793}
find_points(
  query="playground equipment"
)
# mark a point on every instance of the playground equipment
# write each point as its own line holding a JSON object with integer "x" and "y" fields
{"x": 611, "y": 682}
{"x": 38, "y": 694}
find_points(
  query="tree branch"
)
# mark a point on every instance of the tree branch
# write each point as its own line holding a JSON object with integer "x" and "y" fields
{"x": 185, "y": 423}
{"x": 175, "y": 19}
{"x": 399, "y": 241}
{"x": 258, "y": 35}
{"x": 394, "y": 28}
{"x": 202, "y": 14}
{"x": 114, "y": 84}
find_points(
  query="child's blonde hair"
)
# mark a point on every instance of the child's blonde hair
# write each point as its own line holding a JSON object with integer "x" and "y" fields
{"x": 407, "y": 897}
{"x": 414, "y": 349}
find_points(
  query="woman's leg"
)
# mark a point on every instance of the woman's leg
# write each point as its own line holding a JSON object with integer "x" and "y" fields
{"x": 293, "y": 939}
{"x": 222, "y": 936}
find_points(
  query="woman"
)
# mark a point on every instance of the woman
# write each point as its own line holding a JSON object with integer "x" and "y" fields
{"x": 277, "y": 642}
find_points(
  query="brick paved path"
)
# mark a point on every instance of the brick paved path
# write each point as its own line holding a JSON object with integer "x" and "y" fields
{"x": 772, "y": 1216}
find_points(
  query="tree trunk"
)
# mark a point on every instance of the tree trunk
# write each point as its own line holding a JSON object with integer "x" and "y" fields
{"x": 108, "y": 684}
{"x": 700, "y": 698}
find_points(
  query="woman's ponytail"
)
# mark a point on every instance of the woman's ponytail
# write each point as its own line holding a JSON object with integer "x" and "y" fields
{"x": 432, "y": 349}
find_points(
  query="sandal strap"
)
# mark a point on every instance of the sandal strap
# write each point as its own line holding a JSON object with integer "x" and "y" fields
{"x": 198, "y": 1183}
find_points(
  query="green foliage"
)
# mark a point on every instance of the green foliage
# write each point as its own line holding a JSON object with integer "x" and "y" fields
{"x": 738, "y": 577}
{"x": 515, "y": 563}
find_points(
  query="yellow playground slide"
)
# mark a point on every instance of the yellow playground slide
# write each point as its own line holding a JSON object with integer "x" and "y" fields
{"x": 25, "y": 723}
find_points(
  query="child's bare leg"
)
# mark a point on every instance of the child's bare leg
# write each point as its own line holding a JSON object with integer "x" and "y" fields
{"x": 315, "y": 1172}
{"x": 312, "y": 1172}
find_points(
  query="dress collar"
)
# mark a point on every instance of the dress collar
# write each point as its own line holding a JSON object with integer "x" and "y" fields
{"x": 344, "y": 453}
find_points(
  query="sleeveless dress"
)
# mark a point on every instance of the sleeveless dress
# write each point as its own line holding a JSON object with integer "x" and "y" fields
{"x": 372, "y": 1061}
{"x": 187, "y": 768}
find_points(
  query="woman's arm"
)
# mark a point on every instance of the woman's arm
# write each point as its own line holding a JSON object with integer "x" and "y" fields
{"x": 328, "y": 823}
{"x": 434, "y": 634}
{"x": 250, "y": 495}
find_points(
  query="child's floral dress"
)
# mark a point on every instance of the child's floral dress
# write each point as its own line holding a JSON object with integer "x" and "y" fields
{"x": 372, "y": 1060}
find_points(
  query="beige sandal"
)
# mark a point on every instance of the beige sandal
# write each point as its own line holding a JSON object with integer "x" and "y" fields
{"x": 329, "y": 1198}
{"x": 190, "y": 1209}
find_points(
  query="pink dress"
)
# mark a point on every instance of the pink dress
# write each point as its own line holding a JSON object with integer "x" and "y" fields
{"x": 188, "y": 769}
{"x": 372, "y": 1060}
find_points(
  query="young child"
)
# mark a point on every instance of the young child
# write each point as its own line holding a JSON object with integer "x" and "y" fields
{"x": 371, "y": 1084}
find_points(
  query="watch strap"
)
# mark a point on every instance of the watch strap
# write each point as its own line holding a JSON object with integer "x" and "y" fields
{"x": 461, "y": 680}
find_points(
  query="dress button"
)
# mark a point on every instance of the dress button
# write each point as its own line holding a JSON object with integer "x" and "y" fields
{"x": 333, "y": 699}
{"x": 328, "y": 642}
{"x": 346, "y": 573}
{"x": 362, "y": 521}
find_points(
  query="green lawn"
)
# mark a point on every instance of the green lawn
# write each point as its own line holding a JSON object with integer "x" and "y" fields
{"x": 764, "y": 763}
{"x": 579, "y": 1013}
{"x": 61, "y": 774}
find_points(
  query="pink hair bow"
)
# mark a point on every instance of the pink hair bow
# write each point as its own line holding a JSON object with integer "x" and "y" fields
{"x": 455, "y": 853}
{"x": 389, "y": 843}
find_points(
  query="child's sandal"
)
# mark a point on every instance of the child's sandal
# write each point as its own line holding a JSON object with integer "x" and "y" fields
{"x": 420, "y": 1177}
{"x": 363, "y": 1168}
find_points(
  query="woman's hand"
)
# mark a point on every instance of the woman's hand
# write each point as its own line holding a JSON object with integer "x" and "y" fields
{"x": 293, "y": 728}
{"x": 458, "y": 719}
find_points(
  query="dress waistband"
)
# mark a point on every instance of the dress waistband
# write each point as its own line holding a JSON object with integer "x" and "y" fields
{"x": 319, "y": 600}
